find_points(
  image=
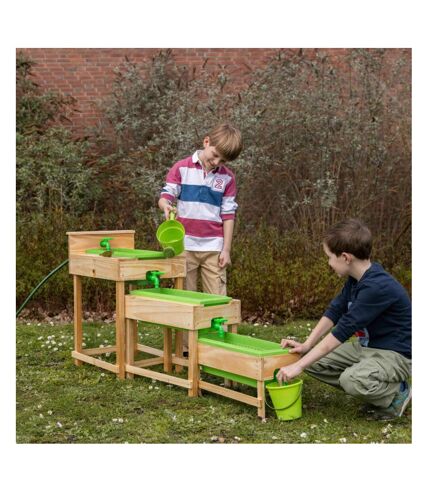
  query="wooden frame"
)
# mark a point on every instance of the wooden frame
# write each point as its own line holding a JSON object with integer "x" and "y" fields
{"x": 118, "y": 270}
{"x": 258, "y": 368}
{"x": 170, "y": 315}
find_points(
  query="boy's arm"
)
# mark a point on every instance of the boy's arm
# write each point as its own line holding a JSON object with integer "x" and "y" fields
{"x": 172, "y": 189}
{"x": 327, "y": 345}
{"x": 227, "y": 214}
{"x": 339, "y": 305}
{"x": 371, "y": 301}
{"x": 324, "y": 325}
{"x": 224, "y": 258}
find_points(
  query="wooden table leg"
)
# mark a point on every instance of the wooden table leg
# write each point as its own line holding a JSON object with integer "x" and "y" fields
{"x": 131, "y": 344}
{"x": 227, "y": 382}
{"x": 178, "y": 348}
{"x": 120, "y": 328}
{"x": 193, "y": 375}
{"x": 234, "y": 329}
{"x": 261, "y": 411}
{"x": 167, "y": 349}
{"x": 179, "y": 284}
{"x": 78, "y": 325}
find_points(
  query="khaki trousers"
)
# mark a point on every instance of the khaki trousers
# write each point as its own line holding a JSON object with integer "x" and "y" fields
{"x": 213, "y": 277}
{"x": 373, "y": 375}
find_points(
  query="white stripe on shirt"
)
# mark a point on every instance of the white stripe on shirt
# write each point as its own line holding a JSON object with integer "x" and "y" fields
{"x": 198, "y": 210}
{"x": 173, "y": 189}
{"x": 192, "y": 243}
{"x": 228, "y": 205}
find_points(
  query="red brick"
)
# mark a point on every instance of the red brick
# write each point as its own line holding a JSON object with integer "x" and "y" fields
{"x": 87, "y": 73}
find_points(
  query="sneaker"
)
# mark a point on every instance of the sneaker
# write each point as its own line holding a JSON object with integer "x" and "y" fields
{"x": 397, "y": 407}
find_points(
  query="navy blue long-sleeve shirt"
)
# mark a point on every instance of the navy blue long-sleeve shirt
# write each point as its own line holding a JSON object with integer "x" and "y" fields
{"x": 377, "y": 309}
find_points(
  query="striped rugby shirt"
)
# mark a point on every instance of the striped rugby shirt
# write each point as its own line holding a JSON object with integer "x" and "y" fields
{"x": 204, "y": 201}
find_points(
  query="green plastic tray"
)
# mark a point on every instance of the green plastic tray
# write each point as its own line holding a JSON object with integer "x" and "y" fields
{"x": 186, "y": 296}
{"x": 241, "y": 343}
{"x": 137, "y": 254}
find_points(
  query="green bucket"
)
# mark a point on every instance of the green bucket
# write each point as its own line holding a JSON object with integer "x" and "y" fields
{"x": 170, "y": 235}
{"x": 286, "y": 399}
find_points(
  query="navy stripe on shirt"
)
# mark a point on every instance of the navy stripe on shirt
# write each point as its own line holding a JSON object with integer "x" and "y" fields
{"x": 197, "y": 193}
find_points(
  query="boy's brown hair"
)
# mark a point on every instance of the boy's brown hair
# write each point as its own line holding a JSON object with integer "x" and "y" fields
{"x": 349, "y": 236}
{"x": 227, "y": 140}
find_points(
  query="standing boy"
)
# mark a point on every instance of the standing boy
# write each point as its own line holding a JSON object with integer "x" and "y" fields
{"x": 205, "y": 191}
{"x": 374, "y": 307}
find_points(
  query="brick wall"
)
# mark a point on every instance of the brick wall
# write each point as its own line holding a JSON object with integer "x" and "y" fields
{"x": 87, "y": 73}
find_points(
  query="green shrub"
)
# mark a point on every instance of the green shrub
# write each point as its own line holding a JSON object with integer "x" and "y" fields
{"x": 320, "y": 144}
{"x": 280, "y": 276}
{"x": 323, "y": 143}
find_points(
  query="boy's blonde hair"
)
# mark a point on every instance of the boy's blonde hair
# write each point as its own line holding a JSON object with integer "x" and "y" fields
{"x": 227, "y": 140}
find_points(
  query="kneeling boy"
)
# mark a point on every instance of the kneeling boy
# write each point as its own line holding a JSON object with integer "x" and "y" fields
{"x": 374, "y": 307}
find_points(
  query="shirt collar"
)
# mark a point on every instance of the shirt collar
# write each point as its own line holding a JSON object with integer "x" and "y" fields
{"x": 196, "y": 160}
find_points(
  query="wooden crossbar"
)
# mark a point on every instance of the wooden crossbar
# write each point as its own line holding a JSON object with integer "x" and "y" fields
{"x": 180, "y": 360}
{"x": 249, "y": 400}
{"x": 149, "y": 350}
{"x": 148, "y": 362}
{"x": 95, "y": 362}
{"x": 99, "y": 350}
{"x": 166, "y": 378}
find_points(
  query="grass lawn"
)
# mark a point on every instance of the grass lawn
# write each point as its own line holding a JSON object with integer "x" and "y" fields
{"x": 58, "y": 402}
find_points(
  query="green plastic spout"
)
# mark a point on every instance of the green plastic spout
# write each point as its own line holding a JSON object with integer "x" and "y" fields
{"x": 217, "y": 324}
{"x": 105, "y": 243}
{"x": 153, "y": 277}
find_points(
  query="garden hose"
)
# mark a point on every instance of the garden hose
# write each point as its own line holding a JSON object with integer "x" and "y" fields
{"x": 39, "y": 285}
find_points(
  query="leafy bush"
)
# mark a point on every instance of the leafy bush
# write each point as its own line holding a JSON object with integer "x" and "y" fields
{"x": 280, "y": 276}
{"x": 324, "y": 143}
{"x": 321, "y": 143}
{"x": 55, "y": 192}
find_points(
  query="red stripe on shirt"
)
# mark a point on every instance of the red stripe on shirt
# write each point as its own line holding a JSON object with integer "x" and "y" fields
{"x": 169, "y": 197}
{"x": 202, "y": 228}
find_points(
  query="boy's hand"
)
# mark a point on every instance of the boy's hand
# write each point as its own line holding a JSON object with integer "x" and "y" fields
{"x": 296, "y": 347}
{"x": 287, "y": 373}
{"x": 224, "y": 259}
{"x": 167, "y": 209}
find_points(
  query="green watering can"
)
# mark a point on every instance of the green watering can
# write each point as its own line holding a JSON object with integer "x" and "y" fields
{"x": 170, "y": 235}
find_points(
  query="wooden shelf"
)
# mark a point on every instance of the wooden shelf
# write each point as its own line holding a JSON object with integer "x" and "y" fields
{"x": 179, "y": 314}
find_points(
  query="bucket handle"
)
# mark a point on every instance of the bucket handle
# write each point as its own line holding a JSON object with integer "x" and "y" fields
{"x": 290, "y": 405}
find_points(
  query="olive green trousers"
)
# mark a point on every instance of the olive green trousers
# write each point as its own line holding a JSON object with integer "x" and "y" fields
{"x": 372, "y": 375}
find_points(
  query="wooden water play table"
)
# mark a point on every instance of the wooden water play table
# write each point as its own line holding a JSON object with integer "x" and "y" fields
{"x": 183, "y": 310}
{"x": 119, "y": 269}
